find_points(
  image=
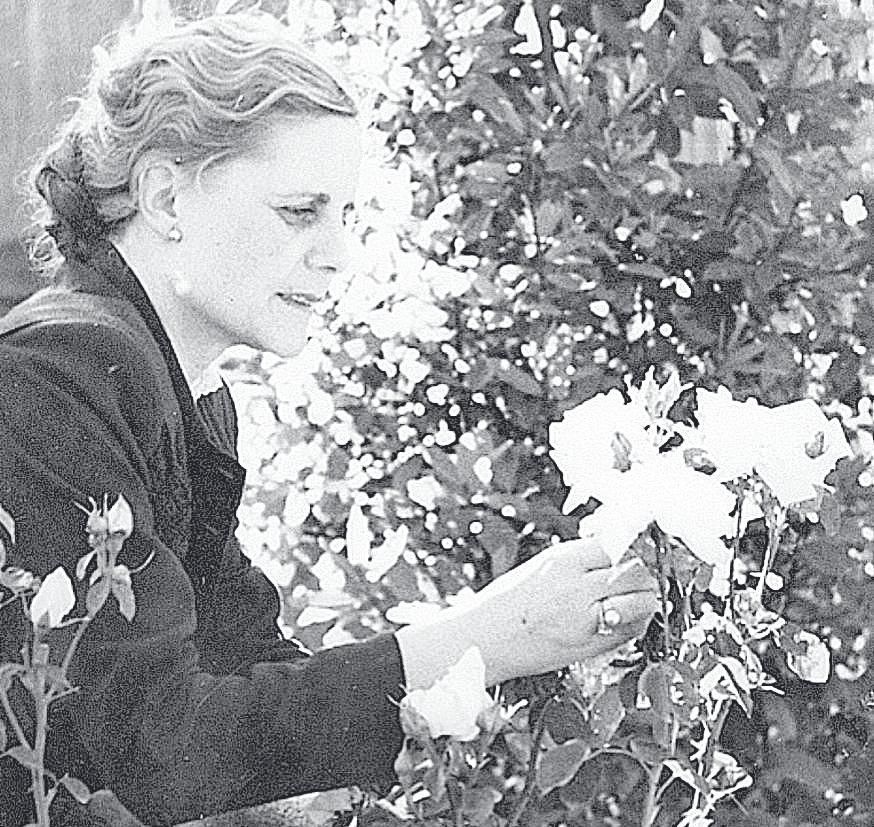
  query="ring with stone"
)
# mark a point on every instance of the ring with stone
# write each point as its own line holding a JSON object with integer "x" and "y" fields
{"x": 608, "y": 619}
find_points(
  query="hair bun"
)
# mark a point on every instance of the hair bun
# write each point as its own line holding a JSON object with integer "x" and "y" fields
{"x": 75, "y": 223}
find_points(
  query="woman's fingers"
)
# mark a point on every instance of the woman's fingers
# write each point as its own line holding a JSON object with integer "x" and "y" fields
{"x": 626, "y": 615}
{"x": 629, "y": 578}
{"x": 588, "y": 553}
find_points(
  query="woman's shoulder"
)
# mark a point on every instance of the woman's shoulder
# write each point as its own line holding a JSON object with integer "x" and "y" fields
{"x": 95, "y": 346}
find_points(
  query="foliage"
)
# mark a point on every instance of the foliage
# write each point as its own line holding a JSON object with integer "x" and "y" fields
{"x": 576, "y": 192}
{"x": 40, "y": 679}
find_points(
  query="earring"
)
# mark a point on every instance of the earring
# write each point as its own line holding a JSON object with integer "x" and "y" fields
{"x": 180, "y": 285}
{"x": 174, "y": 234}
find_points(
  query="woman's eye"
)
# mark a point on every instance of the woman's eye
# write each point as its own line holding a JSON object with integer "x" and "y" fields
{"x": 299, "y": 215}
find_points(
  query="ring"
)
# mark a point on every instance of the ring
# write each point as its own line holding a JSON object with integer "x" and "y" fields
{"x": 608, "y": 619}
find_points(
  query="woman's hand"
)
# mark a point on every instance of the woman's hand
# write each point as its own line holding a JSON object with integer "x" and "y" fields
{"x": 563, "y": 605}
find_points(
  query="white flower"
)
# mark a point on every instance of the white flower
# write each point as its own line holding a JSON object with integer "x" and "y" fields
{"x": 597, "y": 441}
{"x": 120, "y": 518}
{"x": 685, "y": 503}
{"x": 425, "y": 491}
{"x": 54, "y": 600}
{"x": 453, "y": 704}
{"x": 813, "y": 665}
{"x": 358, "y": 537}
{"x": 792, "y": 447}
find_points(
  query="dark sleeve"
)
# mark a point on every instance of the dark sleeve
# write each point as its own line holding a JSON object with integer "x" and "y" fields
{"x": 78, "y": 417}
{"x": 237, "y": 610}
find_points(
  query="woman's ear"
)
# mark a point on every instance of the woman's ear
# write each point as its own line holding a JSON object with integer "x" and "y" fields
{"x": 157, "y": 182}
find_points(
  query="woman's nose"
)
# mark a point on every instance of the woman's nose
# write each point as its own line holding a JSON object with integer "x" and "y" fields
{"x": 330, "y": 252}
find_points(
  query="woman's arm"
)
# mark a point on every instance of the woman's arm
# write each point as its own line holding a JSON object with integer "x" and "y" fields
{"x": 78, "y": 418}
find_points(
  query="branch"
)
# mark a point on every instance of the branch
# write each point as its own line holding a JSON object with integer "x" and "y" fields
{"x": 531, "y": 775}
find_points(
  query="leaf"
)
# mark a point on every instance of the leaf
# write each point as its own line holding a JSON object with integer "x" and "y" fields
{"x": 560, "y": 764}
{"x": 768, "y": 152}
{"x": 654, "y": 683}
{"x": 82, "y": 564}
{"x": 641, "y": 268}
{"x": 2, "y": 736}
{"x": 7, "y": 522}
{"x": 478, "y": 803}
{"x": 78, "y": 789}
{"x": 124, "y": 594}
{"x": 96, "y": 596}
{"x": 561, "y": 156}
{"x": 736, "y": 89}
{"x": 607, "y": 714}
{"x": 501, "y": 541}
{"x": 548, "y": 218}
{"x": 802, "y": 767}
{"x": 518, "y": 378}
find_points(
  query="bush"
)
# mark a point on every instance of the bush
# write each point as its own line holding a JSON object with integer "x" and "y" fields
{"x": 577, "y": 192}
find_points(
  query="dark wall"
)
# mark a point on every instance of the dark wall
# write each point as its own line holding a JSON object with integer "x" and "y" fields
{"x": 45, "y": 56}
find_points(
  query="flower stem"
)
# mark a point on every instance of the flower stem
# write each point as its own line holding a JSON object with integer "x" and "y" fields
{"x": 531, "y": 775}
{"x": 13, "y": 721}
{"x": 664, "y": 585}
{"x": 650, "y": 805}
{"x": 40, "y": 695}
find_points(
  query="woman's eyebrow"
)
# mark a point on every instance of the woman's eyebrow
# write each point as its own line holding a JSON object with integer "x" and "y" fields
{"x": 321, "y": 198}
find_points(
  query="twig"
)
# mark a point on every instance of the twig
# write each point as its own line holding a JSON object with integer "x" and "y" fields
{"x": 651, "y": 806}
{"x": 531, "y": 775}
{"x": 661, "y": 552}
{"x": 13, "y": 720}
{"x": 71, "y": 650}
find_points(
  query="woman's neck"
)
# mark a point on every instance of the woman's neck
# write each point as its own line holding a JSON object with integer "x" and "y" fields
{"x": 197, "y": 346}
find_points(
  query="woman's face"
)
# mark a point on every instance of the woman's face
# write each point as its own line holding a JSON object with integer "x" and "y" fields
{"x": 263, "y": 234}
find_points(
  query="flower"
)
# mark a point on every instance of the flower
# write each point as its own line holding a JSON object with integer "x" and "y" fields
{"x": 453, "y": 704}
{"x": 683, "y": 502}
{"x": 596, "y": 441}
{"x": 792, "y": 447}
{"x": 54, "y": 600}
{"x": 425, "y": 491}
{"x": 120, "y": 518}
{"x": 813, "y": 665}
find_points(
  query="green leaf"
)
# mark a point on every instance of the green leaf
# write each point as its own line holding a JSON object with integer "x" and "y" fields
{"x": 606, "y": 715}
{"x": 560, "y": 764}
{"x": 562, "y": 156}
{"x": 643, "y": 269}
{"x": 737, "y": 90}
{"x": 655, "y": 683}
{"x": 78, "y": 789}
{"x": 768, "y": 151}
{"x": 548, "y": 218}
{"x": 802, "y": 767}
{"x": 518, "y": 378}
{"x": 7, "y": 522}
{"x": 96, "y": 596}
{"x": 501, "y": 541}
{"x": 478, "y": 803}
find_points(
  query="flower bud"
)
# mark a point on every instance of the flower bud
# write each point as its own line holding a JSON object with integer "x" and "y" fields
{"x": 97, "y": 523}
{"x": 120, "y": 518}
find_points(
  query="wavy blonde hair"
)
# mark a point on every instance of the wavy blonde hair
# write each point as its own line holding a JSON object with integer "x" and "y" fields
{"x": 199, "y": 93}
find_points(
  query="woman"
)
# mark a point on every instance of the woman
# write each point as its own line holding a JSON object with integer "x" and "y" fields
{"x": 196, "y": 200}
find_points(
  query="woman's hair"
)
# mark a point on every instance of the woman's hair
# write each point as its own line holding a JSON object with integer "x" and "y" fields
{"x": 202, "y": 92}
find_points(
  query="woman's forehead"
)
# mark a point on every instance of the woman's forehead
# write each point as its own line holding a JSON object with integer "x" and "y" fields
{"x": 315, "y": 154}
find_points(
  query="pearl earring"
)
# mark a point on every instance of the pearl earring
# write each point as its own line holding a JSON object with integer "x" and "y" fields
{"x": 174, "y": 234}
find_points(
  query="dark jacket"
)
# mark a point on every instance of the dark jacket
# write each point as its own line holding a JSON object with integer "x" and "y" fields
{"x": 197, "y": 706}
